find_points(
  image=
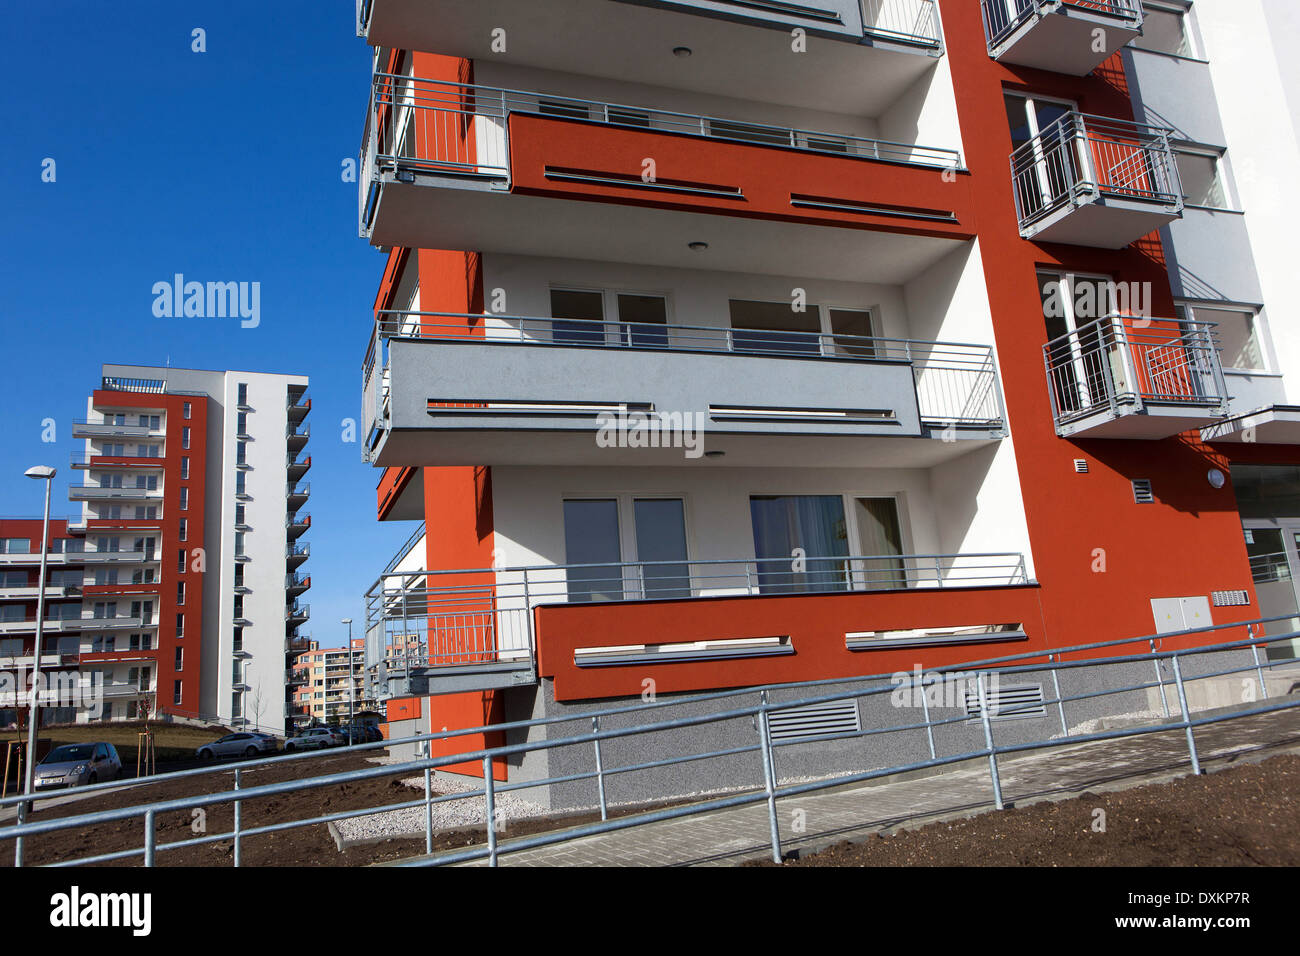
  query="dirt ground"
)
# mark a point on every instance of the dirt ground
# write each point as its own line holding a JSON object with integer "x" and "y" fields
{"x": 1245, "y": 816}
{"x": 304, "y": 846}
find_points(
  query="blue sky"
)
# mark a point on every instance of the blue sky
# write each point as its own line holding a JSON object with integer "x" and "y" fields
{"x": 223, "y": 165}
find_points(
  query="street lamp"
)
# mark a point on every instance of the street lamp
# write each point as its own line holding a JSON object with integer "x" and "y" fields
{"x": 33, "y": 707}
{"x": 352, "y": 687}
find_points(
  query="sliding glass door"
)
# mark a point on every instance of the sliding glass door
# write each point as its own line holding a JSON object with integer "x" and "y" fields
{"x": 651, "y": 562}
{"x": 800, "y": 542}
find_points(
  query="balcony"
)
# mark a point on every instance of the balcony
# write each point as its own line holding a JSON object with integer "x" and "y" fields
{"x": 451, "y": 166}
{"x": 296, "y": 614}
{"x": 296, "y": 495}
{"x": 296, "y": 554}
{"x": 297, "y": 469}
{"x": 297, "y": 436}
{"x": 453, "y": 631}
{"x": 101, "y": 429}
{"x": 99, "y": 460}
{"x": 120, "y": 622}
{"x": 1128, "y": 377}
{"x": 124, "y": 556}
{"x": 299, "y": 406}
{"x": 1093, "y": 181}
{"x": 885, "y": 45}
{"x": 1059, "y": 35}
{"x": 103, "y": 493}
{"x": 578, "y": 392}
{"x": 296, "y": 584}
{"x": 297, "y": 525}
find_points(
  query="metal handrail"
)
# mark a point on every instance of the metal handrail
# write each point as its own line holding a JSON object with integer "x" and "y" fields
{"x": 438, "y": 127}
{"x": 1125, "y": 361}
{"x": 1082, "y": 158}
{"x": 485, "y": 615}
{"x": 1000, "y": 23}
{"x": 765, "y": 745}
{"x": 956, "y": 382}
{"x": 902, "y": 21}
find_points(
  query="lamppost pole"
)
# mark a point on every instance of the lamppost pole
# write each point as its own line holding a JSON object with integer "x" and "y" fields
{"x": 352, "y": 687}
{"x": 33, "y": 707}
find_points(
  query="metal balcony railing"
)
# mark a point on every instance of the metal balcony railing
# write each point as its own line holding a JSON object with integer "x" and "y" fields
{"x": 1081, "y": 159}
{"x": 297, "y": 612}
{"x": 453, "y": 618}
{"x": 1121, "y": 363}
{"x": 956, "y": 383}
{"x": 301, "y": 490}
{"x": 295, "y": 551}
{"x": 903, "y": 21}
{"x": 1002, "y": 18}
{"x": 297, "y": 432}
{"x": 433, "y": 127}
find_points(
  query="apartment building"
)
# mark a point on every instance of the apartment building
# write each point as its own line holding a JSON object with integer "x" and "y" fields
{"x": 723, "y": 344}
{"x": 186, "y": 561}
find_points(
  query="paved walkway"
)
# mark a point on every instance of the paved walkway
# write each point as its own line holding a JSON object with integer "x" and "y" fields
{"x": 727, "y": 837}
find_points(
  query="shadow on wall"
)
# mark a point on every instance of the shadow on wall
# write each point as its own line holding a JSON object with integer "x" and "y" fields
{"x": 1177, "y": 468}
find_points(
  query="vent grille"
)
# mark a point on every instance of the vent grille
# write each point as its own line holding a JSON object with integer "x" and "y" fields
{"x": 1006, "y": 702}
{"x": 1142, "y": 493}
{"x": 1231, "y": 599}
{"x": 1080, "y": 466}
{"x": 833, "y": 718}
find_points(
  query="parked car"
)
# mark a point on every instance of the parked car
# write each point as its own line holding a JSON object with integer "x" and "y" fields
{"x": 249, "y": 744}
{"x": 75, "y": 765}
{"x": 314, "y": 738}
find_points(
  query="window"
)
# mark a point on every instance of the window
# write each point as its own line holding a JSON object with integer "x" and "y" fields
{"x": 13, "y": 612}
{"x": 183, "y": 529}
{"x": 564, "y": 108}
{"x": 185, "y": 499}
{"x": 775, "y": 327}
{"x": 146, "y": 512}
{"x": 1240, "y": 336}
{"x": 237, "y": 642}
{"x": 15, "y": 545}
{"x": 241, "y": 423}
{"x": 853, "y": 332}
{"x": 241, "y": 453}
{"x": 176, "y": 692}
{"x": 749, "y": 133}
{"x": 180, "y": 592}
{"x": 586, "y": 309}
{"x": 241, "y": 392}
{"x": 239, "y": 575}
{"x": 1165, "y": 30}
{"x": 239, "y": 543}
{"x": 643, "y": 320}
{"x": 180, "y": 659}
{"x": 105, "y": 576}
{"x": 180, "y": 626}
{"x": 186, "y": 411}
{"x": 240, "y": 515}
{"x": 133, "y": 642}
{"x": 658, "y": 540}
{"x": 185, "y": 467}
{"x": 185, "y": 437}
{"x": 146, "y": 482}
{"x": 241, "y": 483}
{"x": 180, "y": 561}
{"x": 1201, "y": 175}
{"x": 813, "y": 524}
{"x": 1044, "y": 182}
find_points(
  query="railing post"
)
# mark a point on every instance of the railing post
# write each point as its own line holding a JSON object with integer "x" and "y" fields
{"x": 149, "y": 837}
{"x": 600, "y": 770}
{"x": 1259, "y": 670}
{"x": 1056, "y": 689}
{"x": 1187, "y": 717}
{"x": 929, "y": 729}
{"x": 427, "y": 749}
{"x": 238, "y": 818}
{"x": 489, "y": 798}
{"x": 1164, "y": 701}
{"x": 988, "y": 740}
{"x": 769, "y": 777}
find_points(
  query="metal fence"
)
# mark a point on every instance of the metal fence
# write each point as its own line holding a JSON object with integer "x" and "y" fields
{"x": 430, "y": 619}
{"x": 1081, "y": 158}
{"x": 435, "y": 127}
{"x": 906, "y": 21}
{"x": 1125, "y": 361}
{"x": 977, "y": 674}
{"x": 1002, "y": 18}
{"x": 956, "y": 383}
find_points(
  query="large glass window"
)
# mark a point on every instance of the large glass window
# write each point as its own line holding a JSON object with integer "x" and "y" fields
{"x": 644, "y": 320}
{"x": 1202, "y": 178}
{"x": 661, "y": 537}
{"x": 800, "y": 542}
{"x": 1240, "y": 337}
{"x": 586, "y": 308}
{"x": 775, "y": 327}
{"x": 591, "y": 538}
{"x": 879, "y": 533}
{"x": 1165, "y": 30}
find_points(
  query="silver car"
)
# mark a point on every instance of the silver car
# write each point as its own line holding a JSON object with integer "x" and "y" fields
{"x": 315, "y": 737}
{"x": 238, "y": 745}
{"x": 75, "y": 765}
